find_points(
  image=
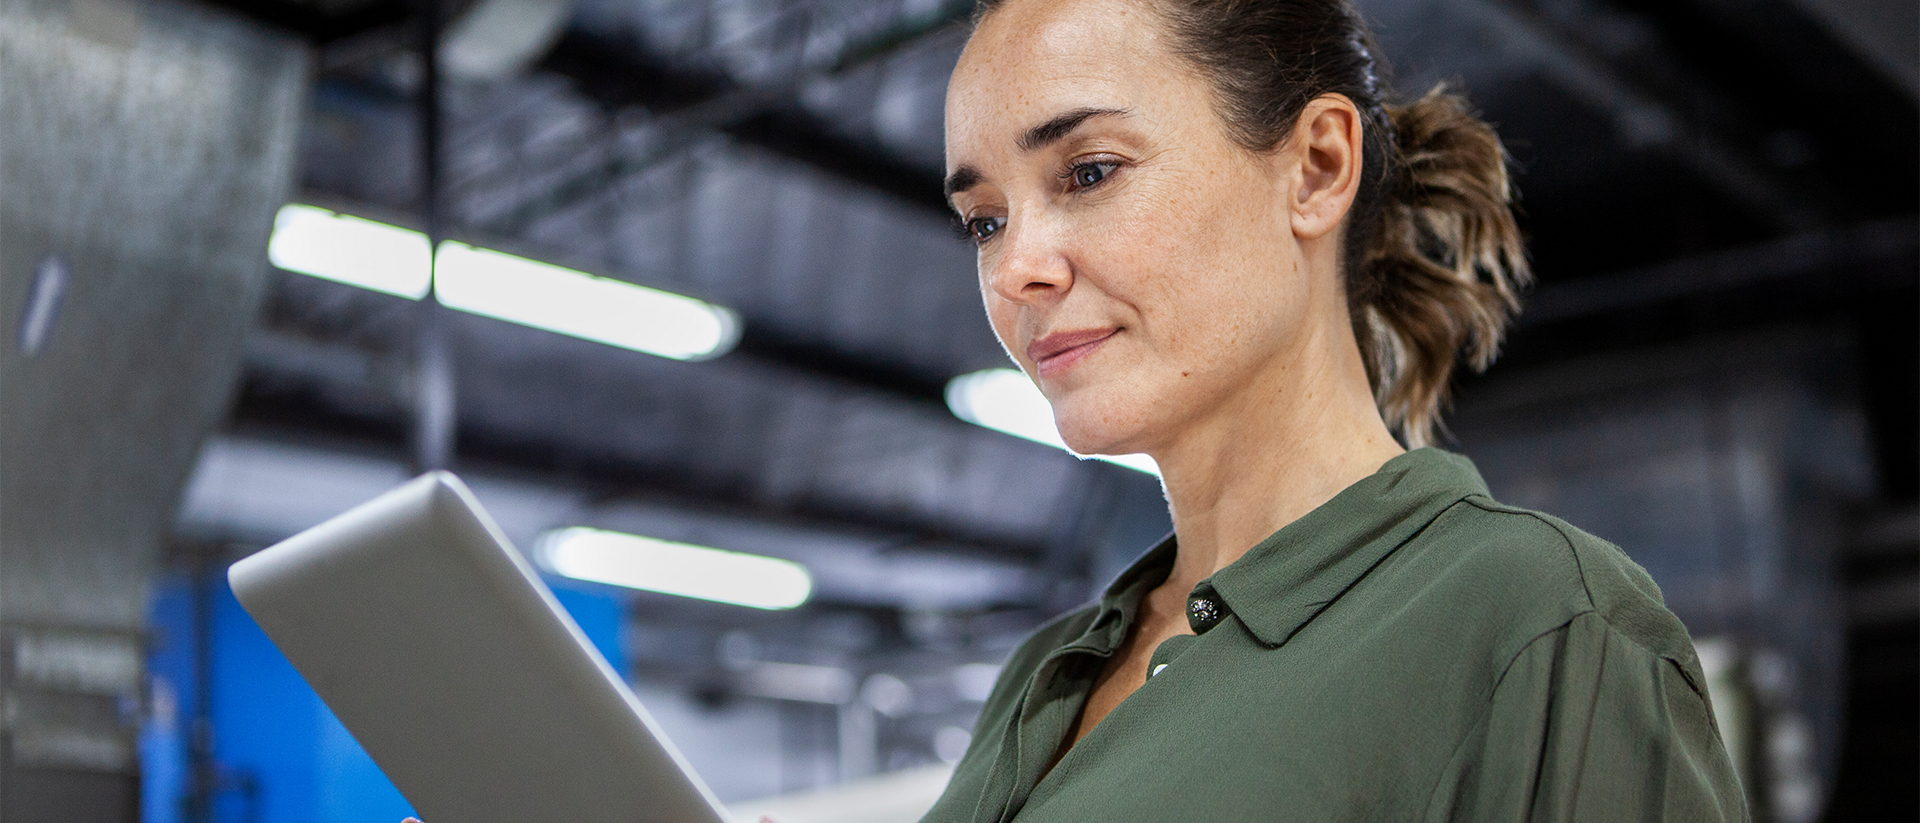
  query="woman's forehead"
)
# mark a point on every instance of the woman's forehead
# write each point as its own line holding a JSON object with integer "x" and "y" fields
{"x": 1030, "y": 60}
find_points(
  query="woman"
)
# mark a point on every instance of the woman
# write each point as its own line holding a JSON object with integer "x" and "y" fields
{"x": 1206, "y": 238}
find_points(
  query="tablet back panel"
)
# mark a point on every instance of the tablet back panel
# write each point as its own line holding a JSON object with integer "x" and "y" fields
{"x": 448, "y": 659}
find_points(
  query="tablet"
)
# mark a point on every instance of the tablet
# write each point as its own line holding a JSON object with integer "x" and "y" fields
{"x": 437, "y": 645}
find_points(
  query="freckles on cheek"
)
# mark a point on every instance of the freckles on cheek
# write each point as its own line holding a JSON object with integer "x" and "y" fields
{"x": 1178, "y": 225}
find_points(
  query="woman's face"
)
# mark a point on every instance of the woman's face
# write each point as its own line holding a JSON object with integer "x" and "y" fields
{"x": 1134, "y": 260}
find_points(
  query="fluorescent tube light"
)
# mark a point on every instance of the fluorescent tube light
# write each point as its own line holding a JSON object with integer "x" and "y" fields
{"x": 676, "y": 568}
{"x": 390, "y": 259}
{"x": 1005, "y": 400}
{"x": 351, "y": 250}
{"x": 574, "y": 303}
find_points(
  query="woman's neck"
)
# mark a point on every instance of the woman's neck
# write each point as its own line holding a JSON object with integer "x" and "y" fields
{"x": 1289, "y": 441}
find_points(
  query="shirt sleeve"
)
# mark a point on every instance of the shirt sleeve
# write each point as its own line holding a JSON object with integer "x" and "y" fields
{"x": 1587, "y": 725}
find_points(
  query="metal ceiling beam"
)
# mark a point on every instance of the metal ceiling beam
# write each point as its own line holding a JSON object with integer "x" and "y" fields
{"x": 1829, "y": 114}
{"x": 320, "y": 26}
{"x": 689, "y": 102}
{"x": 1881, "y": 33}
{"x": 1875, "y": 254}
{"x": 766, "y": 342}
{"x": 296, "y": 403}
{"x": 1642, "y": 118}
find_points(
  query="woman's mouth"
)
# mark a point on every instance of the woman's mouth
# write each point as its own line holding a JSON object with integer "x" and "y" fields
{"x": 1055, "y": 352}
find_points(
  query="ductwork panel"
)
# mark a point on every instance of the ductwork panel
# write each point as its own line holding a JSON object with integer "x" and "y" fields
{"x": 143, "y": 151}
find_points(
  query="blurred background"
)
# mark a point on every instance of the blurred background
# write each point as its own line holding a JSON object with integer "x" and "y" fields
{"x": 220, "y": 328}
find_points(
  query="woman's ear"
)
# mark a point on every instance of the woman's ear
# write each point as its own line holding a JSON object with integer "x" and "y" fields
{"x": 1325, "y": 156}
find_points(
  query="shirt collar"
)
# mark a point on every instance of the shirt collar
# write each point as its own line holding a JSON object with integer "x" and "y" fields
{"x": 1286, "y": 579}
{"x": 1121, "y": 603}
{"x": 1282, "y": 582}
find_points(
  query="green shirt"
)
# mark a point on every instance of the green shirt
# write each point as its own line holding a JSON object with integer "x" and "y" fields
{"x": 1410, "y": 650}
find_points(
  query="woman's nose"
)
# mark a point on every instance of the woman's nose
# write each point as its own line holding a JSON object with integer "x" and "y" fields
{"x": 1031, "y": 266}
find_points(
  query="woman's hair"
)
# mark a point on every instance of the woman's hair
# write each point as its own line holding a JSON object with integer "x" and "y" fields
{"x": 1433, "y": 261}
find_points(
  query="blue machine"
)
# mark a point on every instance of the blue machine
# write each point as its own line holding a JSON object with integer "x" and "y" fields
{"x": 264, "y": 749}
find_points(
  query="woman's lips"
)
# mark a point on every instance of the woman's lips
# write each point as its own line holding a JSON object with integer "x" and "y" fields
{"x": 1059, "y": 350}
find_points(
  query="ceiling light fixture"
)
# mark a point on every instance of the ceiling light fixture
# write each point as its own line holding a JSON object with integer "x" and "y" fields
{"x": 682, "y": 569}
{"x": 601, "y": 309}
{"x": 351, "y": 250}
{"x": 1005, "y": 400}
{"x": 360, "y": 252}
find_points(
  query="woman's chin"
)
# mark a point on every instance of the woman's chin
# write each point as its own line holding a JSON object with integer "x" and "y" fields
{"x": 1097, "y": 440}
{"x": 1092, "y": 421}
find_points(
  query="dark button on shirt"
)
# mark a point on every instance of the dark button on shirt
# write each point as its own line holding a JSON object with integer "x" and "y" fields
{"x": 1204, "y": 611}
{"x": 1409, "y": 651}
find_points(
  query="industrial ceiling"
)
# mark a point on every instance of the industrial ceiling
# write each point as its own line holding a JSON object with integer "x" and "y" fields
{"x": 1685, "y": 166}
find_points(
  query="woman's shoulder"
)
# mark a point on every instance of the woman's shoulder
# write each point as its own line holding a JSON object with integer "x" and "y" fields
{"x": 1538, "y": 572}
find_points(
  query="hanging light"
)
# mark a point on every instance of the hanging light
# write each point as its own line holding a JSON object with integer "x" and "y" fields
{"x": 601, "y": 309}
{"x": 394, "y": 260}
{"x": 351, "y": 250}
{"x": 683, "y": 569}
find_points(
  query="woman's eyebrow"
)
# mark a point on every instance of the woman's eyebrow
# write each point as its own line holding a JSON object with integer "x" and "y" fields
{"x": 961, "y": 179}
{"x": 1033, "y": 140}
{"x": 1050, "y": 132}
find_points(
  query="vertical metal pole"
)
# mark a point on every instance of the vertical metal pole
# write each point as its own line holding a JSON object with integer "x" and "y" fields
{"x": 434, "y": 412}
{"x": 204, "y": 775}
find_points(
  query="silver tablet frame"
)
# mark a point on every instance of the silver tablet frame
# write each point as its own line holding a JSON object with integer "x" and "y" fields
{"x": 441, "y": 650}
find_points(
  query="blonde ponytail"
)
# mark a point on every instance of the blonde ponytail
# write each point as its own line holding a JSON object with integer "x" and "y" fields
{"x": 1437, "y": 277}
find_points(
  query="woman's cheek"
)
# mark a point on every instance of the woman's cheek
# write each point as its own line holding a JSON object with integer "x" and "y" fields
{"x": 1004, "y": 317}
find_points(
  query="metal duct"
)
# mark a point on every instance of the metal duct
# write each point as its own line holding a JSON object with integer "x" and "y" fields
{"x": 143, "y": 151}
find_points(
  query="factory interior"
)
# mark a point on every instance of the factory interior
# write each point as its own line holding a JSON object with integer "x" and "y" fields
{"x": 226, "y": 322}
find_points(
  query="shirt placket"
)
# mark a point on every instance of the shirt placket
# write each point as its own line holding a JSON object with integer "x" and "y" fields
{"x": 1035, "y": 733}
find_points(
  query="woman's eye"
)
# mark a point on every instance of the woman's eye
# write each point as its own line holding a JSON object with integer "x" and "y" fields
{"x": 1088, "y": 175}
{"x": 982, "y": 229}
